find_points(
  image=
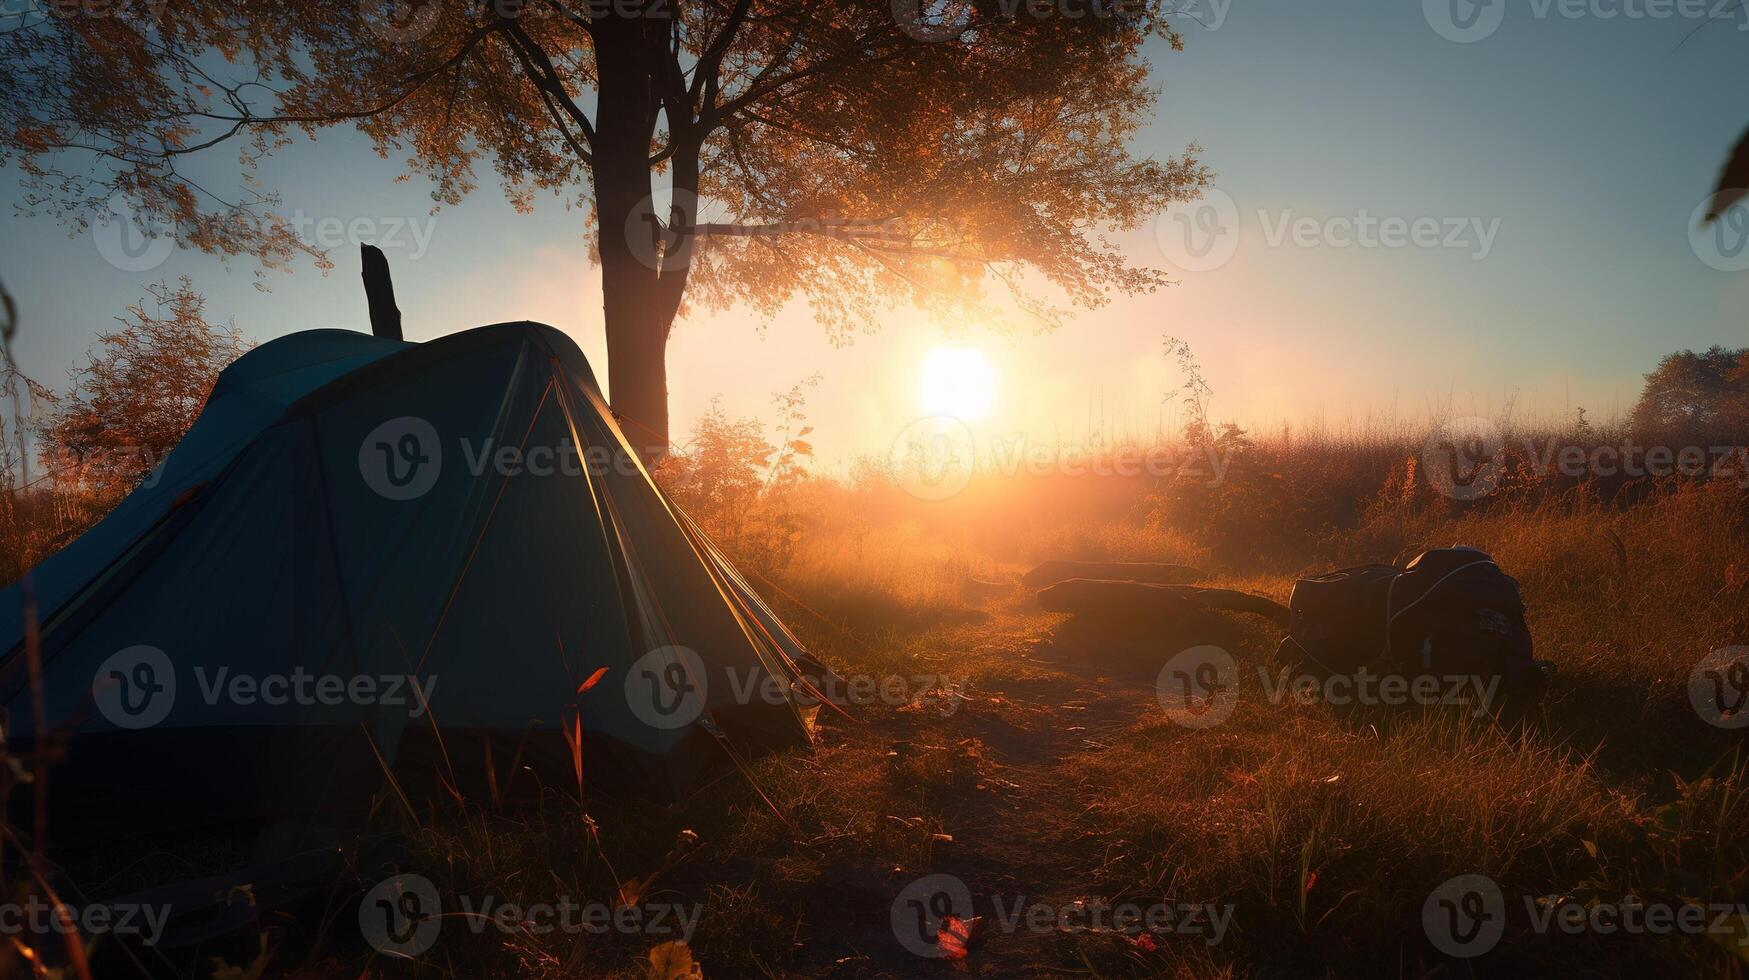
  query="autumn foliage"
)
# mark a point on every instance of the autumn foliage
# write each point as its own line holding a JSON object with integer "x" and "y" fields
{"x": 849, "y": 153}
{"x": 138, "y": 392}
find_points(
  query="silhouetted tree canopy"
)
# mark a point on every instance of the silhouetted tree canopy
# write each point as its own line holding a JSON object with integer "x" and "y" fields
{"x": 855, "y": 153}
{"x": 1696, "y": 394}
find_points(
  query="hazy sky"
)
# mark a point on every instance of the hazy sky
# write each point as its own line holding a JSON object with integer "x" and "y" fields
{"x": 1560, "y": 158}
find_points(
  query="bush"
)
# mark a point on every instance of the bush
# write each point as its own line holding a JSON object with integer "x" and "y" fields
{"x": 138, "y": 392}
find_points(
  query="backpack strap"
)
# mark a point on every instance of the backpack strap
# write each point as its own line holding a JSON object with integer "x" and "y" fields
{"x": 1391, "y": 617}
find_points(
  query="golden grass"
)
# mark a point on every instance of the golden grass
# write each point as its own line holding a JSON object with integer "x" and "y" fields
{"x": 1055, "y": 776}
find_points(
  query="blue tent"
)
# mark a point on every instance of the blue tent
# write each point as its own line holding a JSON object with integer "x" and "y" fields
{"x": 370, "y": 556}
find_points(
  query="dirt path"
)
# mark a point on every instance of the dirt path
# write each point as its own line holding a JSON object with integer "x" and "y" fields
{"x": 1038, "y": 694}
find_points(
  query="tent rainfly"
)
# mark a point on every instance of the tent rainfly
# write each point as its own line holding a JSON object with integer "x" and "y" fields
{"x": 441, "y": 560}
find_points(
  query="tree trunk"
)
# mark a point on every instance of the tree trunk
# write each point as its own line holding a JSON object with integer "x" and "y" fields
{"x": 637, "y": 337}
{"x": 637, "y": 363}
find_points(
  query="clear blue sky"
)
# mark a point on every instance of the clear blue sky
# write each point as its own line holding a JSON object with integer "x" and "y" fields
{"x": 1585, "y": 142}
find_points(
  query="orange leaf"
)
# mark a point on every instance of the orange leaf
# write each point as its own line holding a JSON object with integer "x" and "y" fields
{"x": 632, "y": 890}
{"x": 673, "y": 961}
{"x": 575, "y": 739}
{"x": 958, "y": 936}
{"x": 593, "y": 679}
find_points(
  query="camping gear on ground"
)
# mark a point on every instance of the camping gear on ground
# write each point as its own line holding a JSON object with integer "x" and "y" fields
{"x": 441, "y": 560}
{"x": 1451, "y": 612}
{"x": 1094, "y": 597}
{"x": 1052, "y": 572}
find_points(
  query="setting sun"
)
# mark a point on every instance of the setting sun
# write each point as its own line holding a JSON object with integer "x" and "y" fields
{"x": 958, "y": 381}
{"x": 1106, "y": 487}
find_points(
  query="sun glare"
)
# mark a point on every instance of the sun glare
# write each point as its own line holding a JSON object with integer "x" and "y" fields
{"x": 958, "y": 381}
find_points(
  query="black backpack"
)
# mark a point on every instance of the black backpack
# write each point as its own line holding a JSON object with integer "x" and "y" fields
{"x": 1450, "y": 612}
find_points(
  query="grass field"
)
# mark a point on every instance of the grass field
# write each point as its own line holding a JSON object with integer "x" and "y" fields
{"x": 1020, "y": 761}
{"x": 1026, "y": 756}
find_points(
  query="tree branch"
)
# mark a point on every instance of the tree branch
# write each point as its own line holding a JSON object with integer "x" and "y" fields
{"x": 547, "y": 101}
{"x": 546, "y": 78}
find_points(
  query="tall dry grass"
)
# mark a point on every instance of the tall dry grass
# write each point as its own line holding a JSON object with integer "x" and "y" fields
{"x": 1327, "y": 830}
{"x": 1324, "y": 829}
